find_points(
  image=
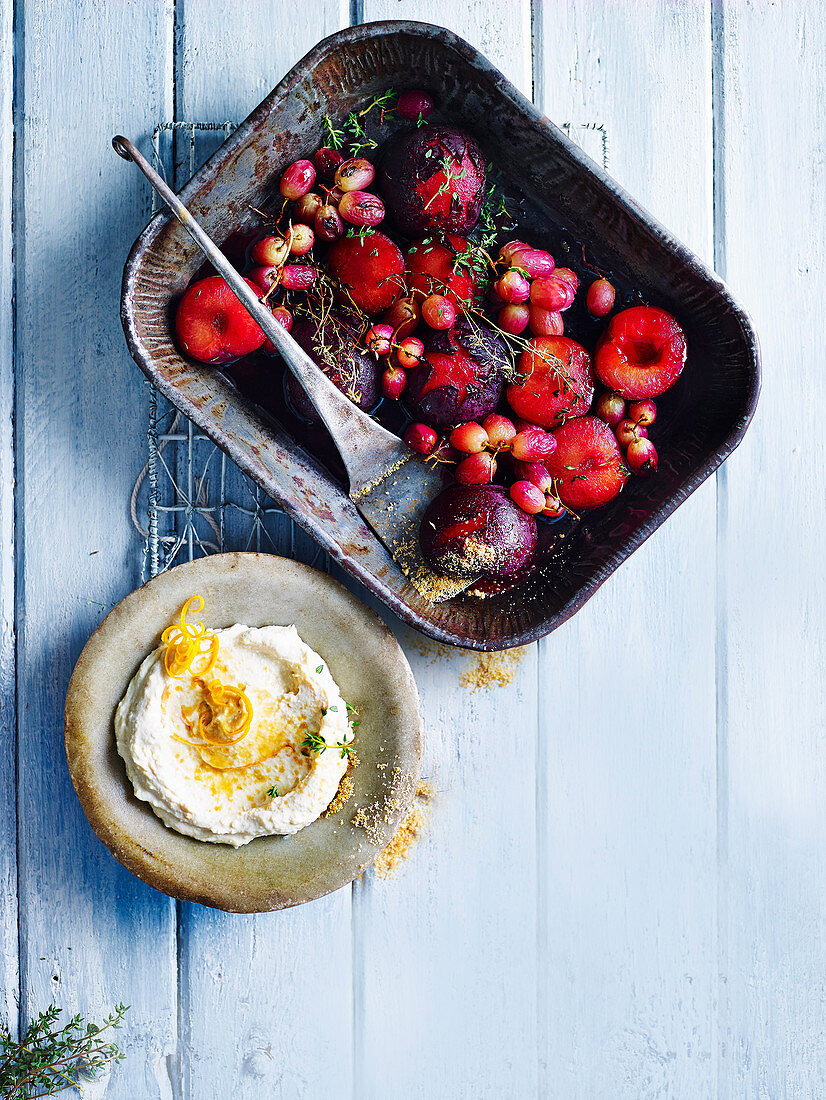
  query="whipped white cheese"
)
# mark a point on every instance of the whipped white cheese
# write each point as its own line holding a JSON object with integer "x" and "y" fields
{"x": 223, "y": 794}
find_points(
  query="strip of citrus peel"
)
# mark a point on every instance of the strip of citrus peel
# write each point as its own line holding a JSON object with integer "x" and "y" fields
{"x": 186, "y": 643}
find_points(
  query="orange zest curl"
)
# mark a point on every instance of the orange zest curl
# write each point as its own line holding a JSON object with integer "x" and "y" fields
{"x": 190, "y": 647}
{"x": 222, "y": 717}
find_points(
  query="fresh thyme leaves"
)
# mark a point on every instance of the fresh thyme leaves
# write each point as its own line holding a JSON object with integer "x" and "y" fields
{"x": 320, "y": 668}
{"x": 273, "y": 792}
{"x": 334, "y": 138}
{"x": 316, "y": 743}
{"x": 352, "y": 133}
{"x": 385, "y": 103}
{"x": 346, "y": 748}
{"x": 49, "y": 1058}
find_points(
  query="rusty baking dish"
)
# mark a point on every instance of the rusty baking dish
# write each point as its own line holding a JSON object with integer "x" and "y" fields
{"x": 706, "y": 418}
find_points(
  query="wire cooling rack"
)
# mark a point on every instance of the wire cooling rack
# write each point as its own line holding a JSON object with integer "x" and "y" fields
{"x": 190, "y": 499}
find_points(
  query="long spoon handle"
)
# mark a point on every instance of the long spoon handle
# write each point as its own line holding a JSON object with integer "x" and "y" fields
{"x": 365, "y": 446}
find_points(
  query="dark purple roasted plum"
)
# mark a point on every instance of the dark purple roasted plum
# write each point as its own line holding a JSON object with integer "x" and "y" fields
{"x": 433, "y": 179}
{"x": 462, "y": 376}
{"x": 334, "y": 346}
{"x": 474, "y": 531}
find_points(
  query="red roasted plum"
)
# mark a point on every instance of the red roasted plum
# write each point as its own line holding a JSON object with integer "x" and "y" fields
{"x": 460, "y": 378}
{"x": 433, "y": 180}
{"x": 558, "y": 381}
{"x": 587, "y": 463}
{"x": 641, "y": 353}
{"x": 431, "y": 269}
{"x": 212, "y": 325}
{"x": 473, "y": 531}
{"x": 370, "y": 268}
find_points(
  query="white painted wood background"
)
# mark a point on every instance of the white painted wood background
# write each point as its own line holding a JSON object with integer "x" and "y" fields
{"x": 622, "y": 893}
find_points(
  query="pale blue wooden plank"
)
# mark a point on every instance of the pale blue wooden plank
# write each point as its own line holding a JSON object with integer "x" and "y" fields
{"x": 281, "y": 982}
{"x": 627, "y": 765}
{"x": 9, "y": 975}
{"x": 771, "y": 82}
{"x": 446, "y": 982}
{"x": 91, "y": 933}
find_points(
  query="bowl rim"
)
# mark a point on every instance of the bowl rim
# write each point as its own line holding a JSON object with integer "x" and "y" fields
{"x": 543, "y": 124}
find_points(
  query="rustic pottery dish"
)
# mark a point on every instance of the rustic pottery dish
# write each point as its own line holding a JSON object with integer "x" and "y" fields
{"x": 564, "y": 189}
{"x": 366, "y": 662}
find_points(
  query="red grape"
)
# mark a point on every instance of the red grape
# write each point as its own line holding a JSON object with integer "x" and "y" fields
{"x": 307, "y": 207}
{"x": 500, "y": 431}
{"x": 297, "y": 276}
{"x": 546, "y": 322}
{"x": 298, "y": 179}
{"x": 611, "y": 409}
{"x": 509, "y": 250}
{"x": 600, "y": 298}
{"x": 514, "y": 318}
{"x": 528, "y": 497}
{"x": 476, "y": 469}
{"x": 420, "y": 438}
{"x": 328, "y": 223}
{"x": 532, "y": 444}
{"x": 641, "y": 457}
{"x": 271, "y": 251}
{"x": 326, "y": 162}
{"x": 302, "y": 239}
{"x": 265, "y": 277}
{"x": 415, "y": 103}
{"x": 355, "y": 174}
{"x": 470, "y": 438}
{"x": 536, "y": 473}
{"x": 552, "y": 292}
{"x": 409, "y": 352}
{"x": 439, "y": 312}
{"x": 627, "y": 432}
{"x": 284, "y": 317}
{"x": 642, "y": 412}
{"x": 379, "y": 339}
{"x": 403, "y": 315}
{"x": 393, "y": 382}
{"x": 513, "y": 287}
{"x": 361, "y": 208}
{"x": 534, "y": 261}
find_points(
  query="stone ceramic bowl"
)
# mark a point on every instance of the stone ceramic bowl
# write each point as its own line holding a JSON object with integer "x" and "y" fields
{"x": 565, "y": 191}
{"x": 366, "y": 662}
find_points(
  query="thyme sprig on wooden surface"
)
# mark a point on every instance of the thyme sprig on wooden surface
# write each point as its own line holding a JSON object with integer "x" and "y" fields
{"x": 49, "y": 1058}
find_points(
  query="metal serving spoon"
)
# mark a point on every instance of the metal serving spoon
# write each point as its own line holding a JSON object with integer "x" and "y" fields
{"x": 389, "y": 485}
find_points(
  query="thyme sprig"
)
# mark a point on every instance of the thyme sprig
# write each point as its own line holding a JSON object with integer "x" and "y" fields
{"x": 352, "y": 132}
{"x": 49, "y": 1058}
{"x": 316, "y": 743}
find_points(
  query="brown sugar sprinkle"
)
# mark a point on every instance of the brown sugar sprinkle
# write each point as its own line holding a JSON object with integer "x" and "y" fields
{"x": 490, "y": 670}
{"x": 343, "y": 795}
{"x": 371, "y": 818}
{"x": 409, "y": 832}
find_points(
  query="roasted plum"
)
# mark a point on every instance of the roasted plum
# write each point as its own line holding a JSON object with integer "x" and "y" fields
{"x": 433, "y": 268}
{"x": 433, "y": 180}
{"x": 370, "y": 268}
{"x": 461, "y": 377}
{"x": 474, "y": 531}
{"x": 556, "y": 381}
{"x": 335, "y": 347}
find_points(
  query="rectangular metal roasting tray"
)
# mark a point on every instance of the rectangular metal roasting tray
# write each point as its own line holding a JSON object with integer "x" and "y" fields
{"x": 717, "y": 392}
